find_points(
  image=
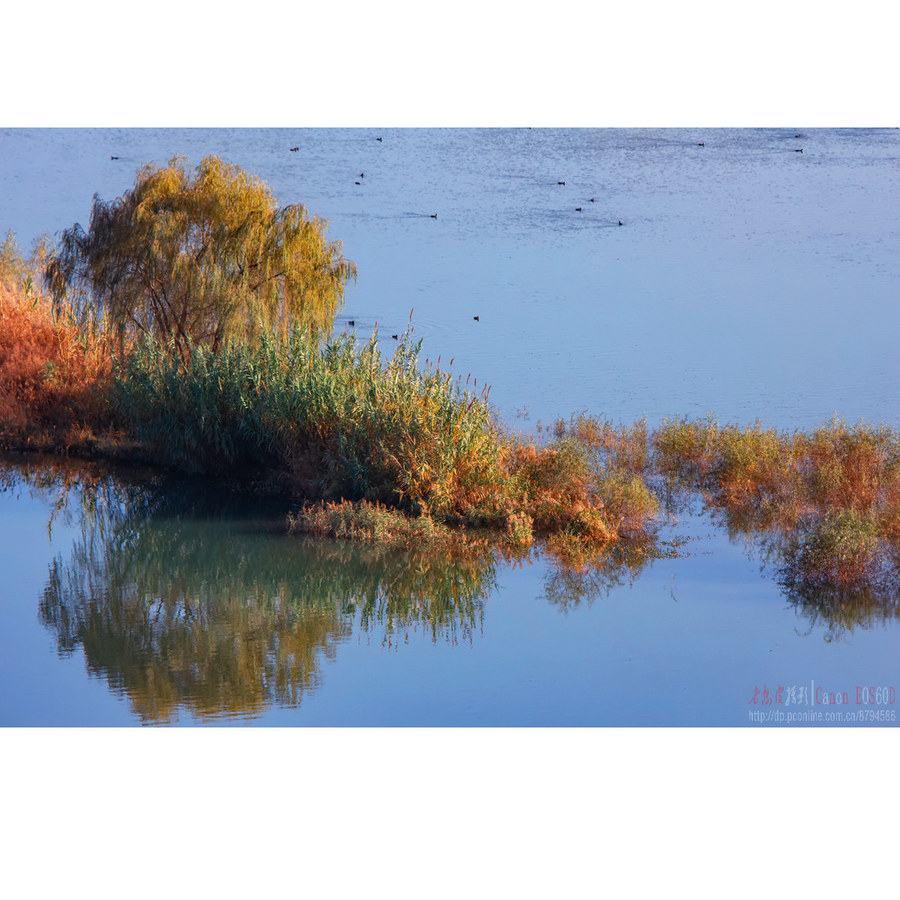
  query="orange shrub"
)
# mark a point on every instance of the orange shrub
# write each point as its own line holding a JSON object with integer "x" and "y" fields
{"x": 52, "y": 378}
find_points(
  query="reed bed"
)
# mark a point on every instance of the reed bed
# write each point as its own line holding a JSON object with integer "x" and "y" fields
{"x": 367, "y": 440}
{"x": 372, "y": 523}
{"x": 834, "y": 492}
{"x": 339, "y": 421}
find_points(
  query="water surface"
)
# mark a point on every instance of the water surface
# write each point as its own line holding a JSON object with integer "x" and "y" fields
{"x": 748, "y": 280}
{"x": 147, "y": 600}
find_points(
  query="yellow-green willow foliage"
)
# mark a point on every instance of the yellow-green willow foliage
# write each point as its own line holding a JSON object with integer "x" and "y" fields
{"x": 201, "y": 257}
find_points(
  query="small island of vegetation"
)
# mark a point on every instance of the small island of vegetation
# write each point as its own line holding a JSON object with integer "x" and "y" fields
{"x": 190, "y": 327}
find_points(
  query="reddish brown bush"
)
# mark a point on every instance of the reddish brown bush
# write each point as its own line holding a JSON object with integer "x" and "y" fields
{"x": 53, "y": 378}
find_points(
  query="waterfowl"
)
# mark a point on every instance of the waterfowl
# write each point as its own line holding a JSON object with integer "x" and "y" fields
{"x": 701, "y": 144}
{"x": 351, "y": 322}
{"x": 362, "y": 174}
{"x": 377, "y": 139}
{"x": 356, "y": 182}
{"x": 798, "y": 150}
{"x": 114, "y": 157}
{"x": 434, "y": 215}
{"x": 560, "y": 182}
{"x": 577, "y": 209}
{"x": 395, "y": 337}
{"x": 294, "y": 149}
{"x": 592, "y": 199}
{"x": 477, "y": 318}
{"x": 621, "y": 222}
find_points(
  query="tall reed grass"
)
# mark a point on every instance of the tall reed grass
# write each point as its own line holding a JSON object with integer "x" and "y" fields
{"x": 340, "y": 420}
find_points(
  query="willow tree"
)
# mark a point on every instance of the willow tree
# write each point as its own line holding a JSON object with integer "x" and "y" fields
{"x": 201, "y": 257}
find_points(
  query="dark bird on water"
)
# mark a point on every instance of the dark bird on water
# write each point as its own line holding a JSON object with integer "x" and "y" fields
{"x": 560, "y": 182}
{"x": 377, "y": 139}
{"x": 798, "y": 150}
{"x": 592, "y": 199}
{"x": 621, "y": 222}
{"x": 356, "y": 182}
{"x": 394, "y": 336}
{"x": 477, "y": 318}
{"x": 114, "y": 157}
{"x": 294, "y": 149}
{"x": 701, "y": 144}
{"x": 362, "y": 174}
{"x": 797, "y": 135}
{"x": 350, "y": 322}
{"x": 434, "y": 215}
{"x": 577, "y": 209}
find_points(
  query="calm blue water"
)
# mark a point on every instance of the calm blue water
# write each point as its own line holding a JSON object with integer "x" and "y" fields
{"x": 167, "y": 604}
{"x": 747, "y": 280}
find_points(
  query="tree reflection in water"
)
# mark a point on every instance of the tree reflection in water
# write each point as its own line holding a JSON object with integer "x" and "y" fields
{"x": 191, "y": 603}
{"x": 185, "y": 602}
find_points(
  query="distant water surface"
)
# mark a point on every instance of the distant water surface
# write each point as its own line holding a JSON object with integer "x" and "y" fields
{"x": 748, "y": 280}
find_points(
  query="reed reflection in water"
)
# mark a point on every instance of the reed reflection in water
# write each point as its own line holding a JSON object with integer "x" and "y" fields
{"x": 196, "y": 607}
{"x": 186, "y": 602}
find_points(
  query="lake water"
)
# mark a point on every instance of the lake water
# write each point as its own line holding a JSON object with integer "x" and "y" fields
{"x": 747, "y": 280}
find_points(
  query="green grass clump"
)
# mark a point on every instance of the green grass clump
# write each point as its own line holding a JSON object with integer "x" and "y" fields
{"x": 838, "y": 548}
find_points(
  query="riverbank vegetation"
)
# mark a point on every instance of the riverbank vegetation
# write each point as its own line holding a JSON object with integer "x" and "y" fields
{"x": 188, "y": 327}
{"x": 55, "y": 372}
